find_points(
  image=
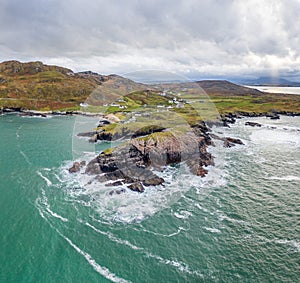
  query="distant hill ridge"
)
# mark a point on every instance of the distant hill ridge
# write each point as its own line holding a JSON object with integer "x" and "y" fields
{"x": 226, "y": 88}
{"x": 270, "y": 81}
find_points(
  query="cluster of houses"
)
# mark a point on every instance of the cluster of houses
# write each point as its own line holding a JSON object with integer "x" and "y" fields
{"x": 174, "y": 103}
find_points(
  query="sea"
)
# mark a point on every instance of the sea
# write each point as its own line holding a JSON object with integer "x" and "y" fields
{"x": 278, "y": 89}
{"x": 240, "y": 223}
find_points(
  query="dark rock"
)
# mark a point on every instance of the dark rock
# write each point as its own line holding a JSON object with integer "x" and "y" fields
{"x": 103, "y": 122}
{"x": 233, "y": 140}
{"x": 33, "y": 114}
{"x": 12, "y": 109}
{"x": 75, "y": 168}
{"x": 230, "y": 142}
{"x": 82, "y": 163}
{"x": 155, "y": 181}
{"x": 273, "y": 116}
{"x": 87, "y": 134}
{"x": 94, "y": 138}
{"x": 253, "y": 124}
{"x": 105, "y": 136}
{"x": 201, "y": 172}
{"x": 118, "y": 192}
{"x": 137, "y": 187}
{"x": 114, "y": 184}
{"x": 110, "y": 176}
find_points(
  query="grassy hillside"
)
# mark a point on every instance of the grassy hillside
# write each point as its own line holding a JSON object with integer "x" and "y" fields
{"x": 35, "y": 85}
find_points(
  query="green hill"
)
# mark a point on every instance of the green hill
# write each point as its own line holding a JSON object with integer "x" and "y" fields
{"x": 35, "y": 85}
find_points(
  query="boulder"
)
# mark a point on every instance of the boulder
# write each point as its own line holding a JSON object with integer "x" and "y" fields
{"x": 235, "y": 141}
{"x": 75, "y": 168}
{"x": 155, "y": 181}
{"x": 137, "y": 187}
{"x": 201, "y": 172}
{"x": 230, "y": 142}
{"x": 94, "y": 138}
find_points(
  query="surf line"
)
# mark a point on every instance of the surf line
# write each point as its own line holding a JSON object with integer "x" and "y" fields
{"x": 104, "y": 271}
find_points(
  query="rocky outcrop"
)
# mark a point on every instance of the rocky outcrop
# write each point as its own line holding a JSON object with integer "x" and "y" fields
{"x": 76, "y": 167}
{"x": 134, "y": 162}
{"x": 228, "y": 141}
{"x": 149, "y": 150}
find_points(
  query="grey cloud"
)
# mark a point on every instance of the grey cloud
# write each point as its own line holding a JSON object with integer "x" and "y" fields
{"x": 228, "y": 36}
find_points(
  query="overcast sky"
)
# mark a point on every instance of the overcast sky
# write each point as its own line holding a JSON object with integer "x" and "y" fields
{"x": 198, "y": 38}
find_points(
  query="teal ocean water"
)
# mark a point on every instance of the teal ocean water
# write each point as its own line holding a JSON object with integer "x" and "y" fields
{"x": 241, "y": 223}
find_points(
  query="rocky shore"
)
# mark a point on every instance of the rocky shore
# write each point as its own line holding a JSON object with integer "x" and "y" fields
{"x": 44, "y": 114}
{"x": 150, "y": 150}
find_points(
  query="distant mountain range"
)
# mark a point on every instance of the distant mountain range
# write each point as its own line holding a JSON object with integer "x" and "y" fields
{"x": 268, "y": 81}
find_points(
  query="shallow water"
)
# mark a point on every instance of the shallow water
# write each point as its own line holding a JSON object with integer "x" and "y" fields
{"x": 238, "y": 224}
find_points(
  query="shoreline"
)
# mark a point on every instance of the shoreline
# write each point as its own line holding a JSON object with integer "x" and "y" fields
{"x": 44, "y": 114}
{"x": 226, "y": 118}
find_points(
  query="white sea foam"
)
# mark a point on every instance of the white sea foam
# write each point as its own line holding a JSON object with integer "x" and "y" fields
{"x": 285, "y": 178}
{"x": 131, "y": 207}
{"x": 223, "y": 217}
{"x": 275, "y": 137}
{"x": 292, "y": 245}
{"x": 54, "y": 214}
{"x": 105, "y": 272}
{"x": 25, "y": 157}
{"x": 212, "y": 230}
{"x": 183, "y": 214}
{"x": 165, "y": 235}
{"x": 49, "y": 183}
{"x": 43, "y": 203}
{"x": 113, "y": 238}
{"x": 295, "y": 245}
{"x": 183, "y": 267}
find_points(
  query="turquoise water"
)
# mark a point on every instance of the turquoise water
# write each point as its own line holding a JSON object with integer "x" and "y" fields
{"x": 239, "y": 224}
